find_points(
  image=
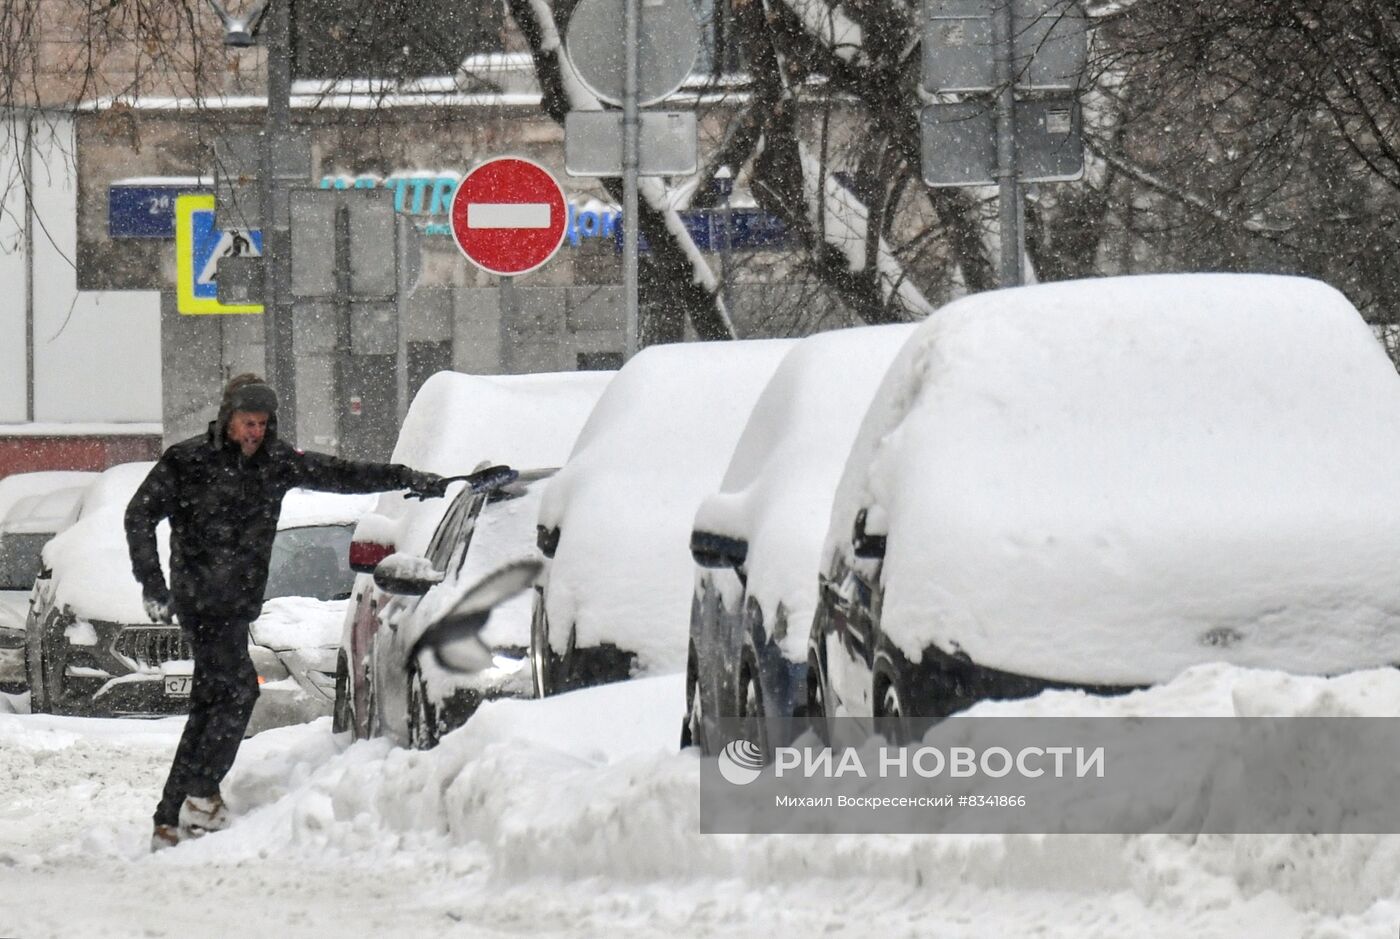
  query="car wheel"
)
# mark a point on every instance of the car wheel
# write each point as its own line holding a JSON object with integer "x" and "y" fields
{"x": 38, "y": 698}
{"x": 343, "y": 714}
{"x": 693, "y": 724}
{"x": 892, "y": 708}
{"x": 422, "y": 714}
{"x": 751, "y": 707}
{"x": 544, "y": 664}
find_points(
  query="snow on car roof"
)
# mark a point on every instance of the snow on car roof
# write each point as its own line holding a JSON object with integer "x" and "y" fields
{"x": 21, "y": 485}
{"x": 1112, "y": 480}
{"x": 42, "y": 512}
{"x": 776, "y": 493}
{"x": 457, "y": 421}
{"x": 303, "y": 507}
{"x": 657, "y": 442}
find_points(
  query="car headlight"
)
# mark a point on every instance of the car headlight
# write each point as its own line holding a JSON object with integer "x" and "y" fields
{"x": 269, "y": 666}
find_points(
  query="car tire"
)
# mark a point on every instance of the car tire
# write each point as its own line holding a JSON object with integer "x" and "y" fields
{"x": 892, "y": 707}
{"x": 693, "y": 723}
{"x": 343, "y": 712}
{"x": 544, "y": 664}
{"x": 422, "y": 714}
{"x": 38, "y": 696}
{"x": 750, "y": 706}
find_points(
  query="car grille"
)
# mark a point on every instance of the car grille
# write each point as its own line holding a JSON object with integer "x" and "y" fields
{"x": 151, "y": 645}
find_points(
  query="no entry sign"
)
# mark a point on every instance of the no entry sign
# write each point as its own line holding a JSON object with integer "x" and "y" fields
{"x": 509, "y": 215}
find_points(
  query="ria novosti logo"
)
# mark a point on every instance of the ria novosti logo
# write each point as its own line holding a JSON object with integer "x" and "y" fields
{"x": 740, "y": 762}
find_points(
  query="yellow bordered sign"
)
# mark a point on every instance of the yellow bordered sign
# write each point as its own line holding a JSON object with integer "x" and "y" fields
{"x": 197, "y": 242}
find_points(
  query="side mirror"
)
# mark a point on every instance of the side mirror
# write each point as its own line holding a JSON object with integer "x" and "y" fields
{"x": 865, "y": 544}
{"x": 406, "y": 574}
{"x": 455, "y": 638}
{"x": 711, "y": 550}
{"x": 547, "y": 539}
{"x": 366, "y": 555}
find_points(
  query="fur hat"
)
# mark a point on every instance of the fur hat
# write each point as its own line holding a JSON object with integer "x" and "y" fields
{"x": 248, "y": 392}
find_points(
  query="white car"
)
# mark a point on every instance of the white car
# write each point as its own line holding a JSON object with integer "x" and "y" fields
{"x": 33, "y": 507}
{"x": 615, "y": 522}
{"x": 91, "y": 649}
{"x": 1099, "y": 484}
{"x": 456, "y": 424}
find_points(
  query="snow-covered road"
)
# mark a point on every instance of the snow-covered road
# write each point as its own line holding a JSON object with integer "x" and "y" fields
{"x": 575, "y": 816}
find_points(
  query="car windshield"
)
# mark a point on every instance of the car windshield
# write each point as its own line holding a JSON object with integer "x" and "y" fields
{"x": 19, "y": 558}
{"x": 311, "y": 562}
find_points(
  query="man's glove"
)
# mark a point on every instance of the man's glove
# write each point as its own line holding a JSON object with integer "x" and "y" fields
{"x": 158, "y": 609}
{"x": 427, "y": 485}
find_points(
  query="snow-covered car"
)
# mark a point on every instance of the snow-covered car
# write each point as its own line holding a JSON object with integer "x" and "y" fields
{"x": 615, "y": 521}
{"x": 1099, "y": 484}
{"x": 33, "y": 507}
{"x": 455, "y": 424}
{"x": 481, "y": 532}
{"x": 758, "y": 540}
{"x": 91, "y": 649}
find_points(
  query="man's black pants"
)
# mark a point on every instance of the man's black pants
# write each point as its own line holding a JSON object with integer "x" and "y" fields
{"x": 225, "y": 690}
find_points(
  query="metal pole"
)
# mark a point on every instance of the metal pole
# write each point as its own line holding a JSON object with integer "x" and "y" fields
{"x": 29, "y": 264}
{"x": 276, "y": 224}
{"x": 1008, "y": 190}
{"x": 630, "y": 16}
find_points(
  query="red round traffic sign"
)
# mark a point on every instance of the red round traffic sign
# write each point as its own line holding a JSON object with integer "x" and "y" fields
{"x": 509, "y": 215}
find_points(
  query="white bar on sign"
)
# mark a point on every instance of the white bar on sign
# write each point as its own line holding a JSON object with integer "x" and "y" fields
{"x": 507, "y": 214}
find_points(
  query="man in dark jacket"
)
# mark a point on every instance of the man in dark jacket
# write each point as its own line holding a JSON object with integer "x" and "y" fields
{"x": 222, "y": 492}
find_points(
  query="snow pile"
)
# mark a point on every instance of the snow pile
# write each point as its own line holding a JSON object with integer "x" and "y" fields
{"x": 576, "y": 812}
{"x": 655, "y": 445}
{"x": 776, "y": 493}
{"x": 1109, "y": 481}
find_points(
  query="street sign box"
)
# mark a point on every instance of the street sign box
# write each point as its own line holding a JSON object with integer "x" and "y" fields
{"x": 666, "y": 143}
{"x": 509, "y": 215}
{"x": 199, "y": 246}
{"x": 1050, "y": 45}
{"x": 958, "y": 55}
{"x": 667, "y": 44}
{"x": 959, "y": 142}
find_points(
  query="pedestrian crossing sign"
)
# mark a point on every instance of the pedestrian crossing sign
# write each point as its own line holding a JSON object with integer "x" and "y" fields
{"x": 198, "y": 247}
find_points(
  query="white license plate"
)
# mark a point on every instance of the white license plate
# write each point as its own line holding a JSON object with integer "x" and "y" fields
{"x": 178, "y": 686}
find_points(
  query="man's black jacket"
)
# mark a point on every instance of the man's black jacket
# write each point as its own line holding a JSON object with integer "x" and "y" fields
{"x": 223, "y": 509}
